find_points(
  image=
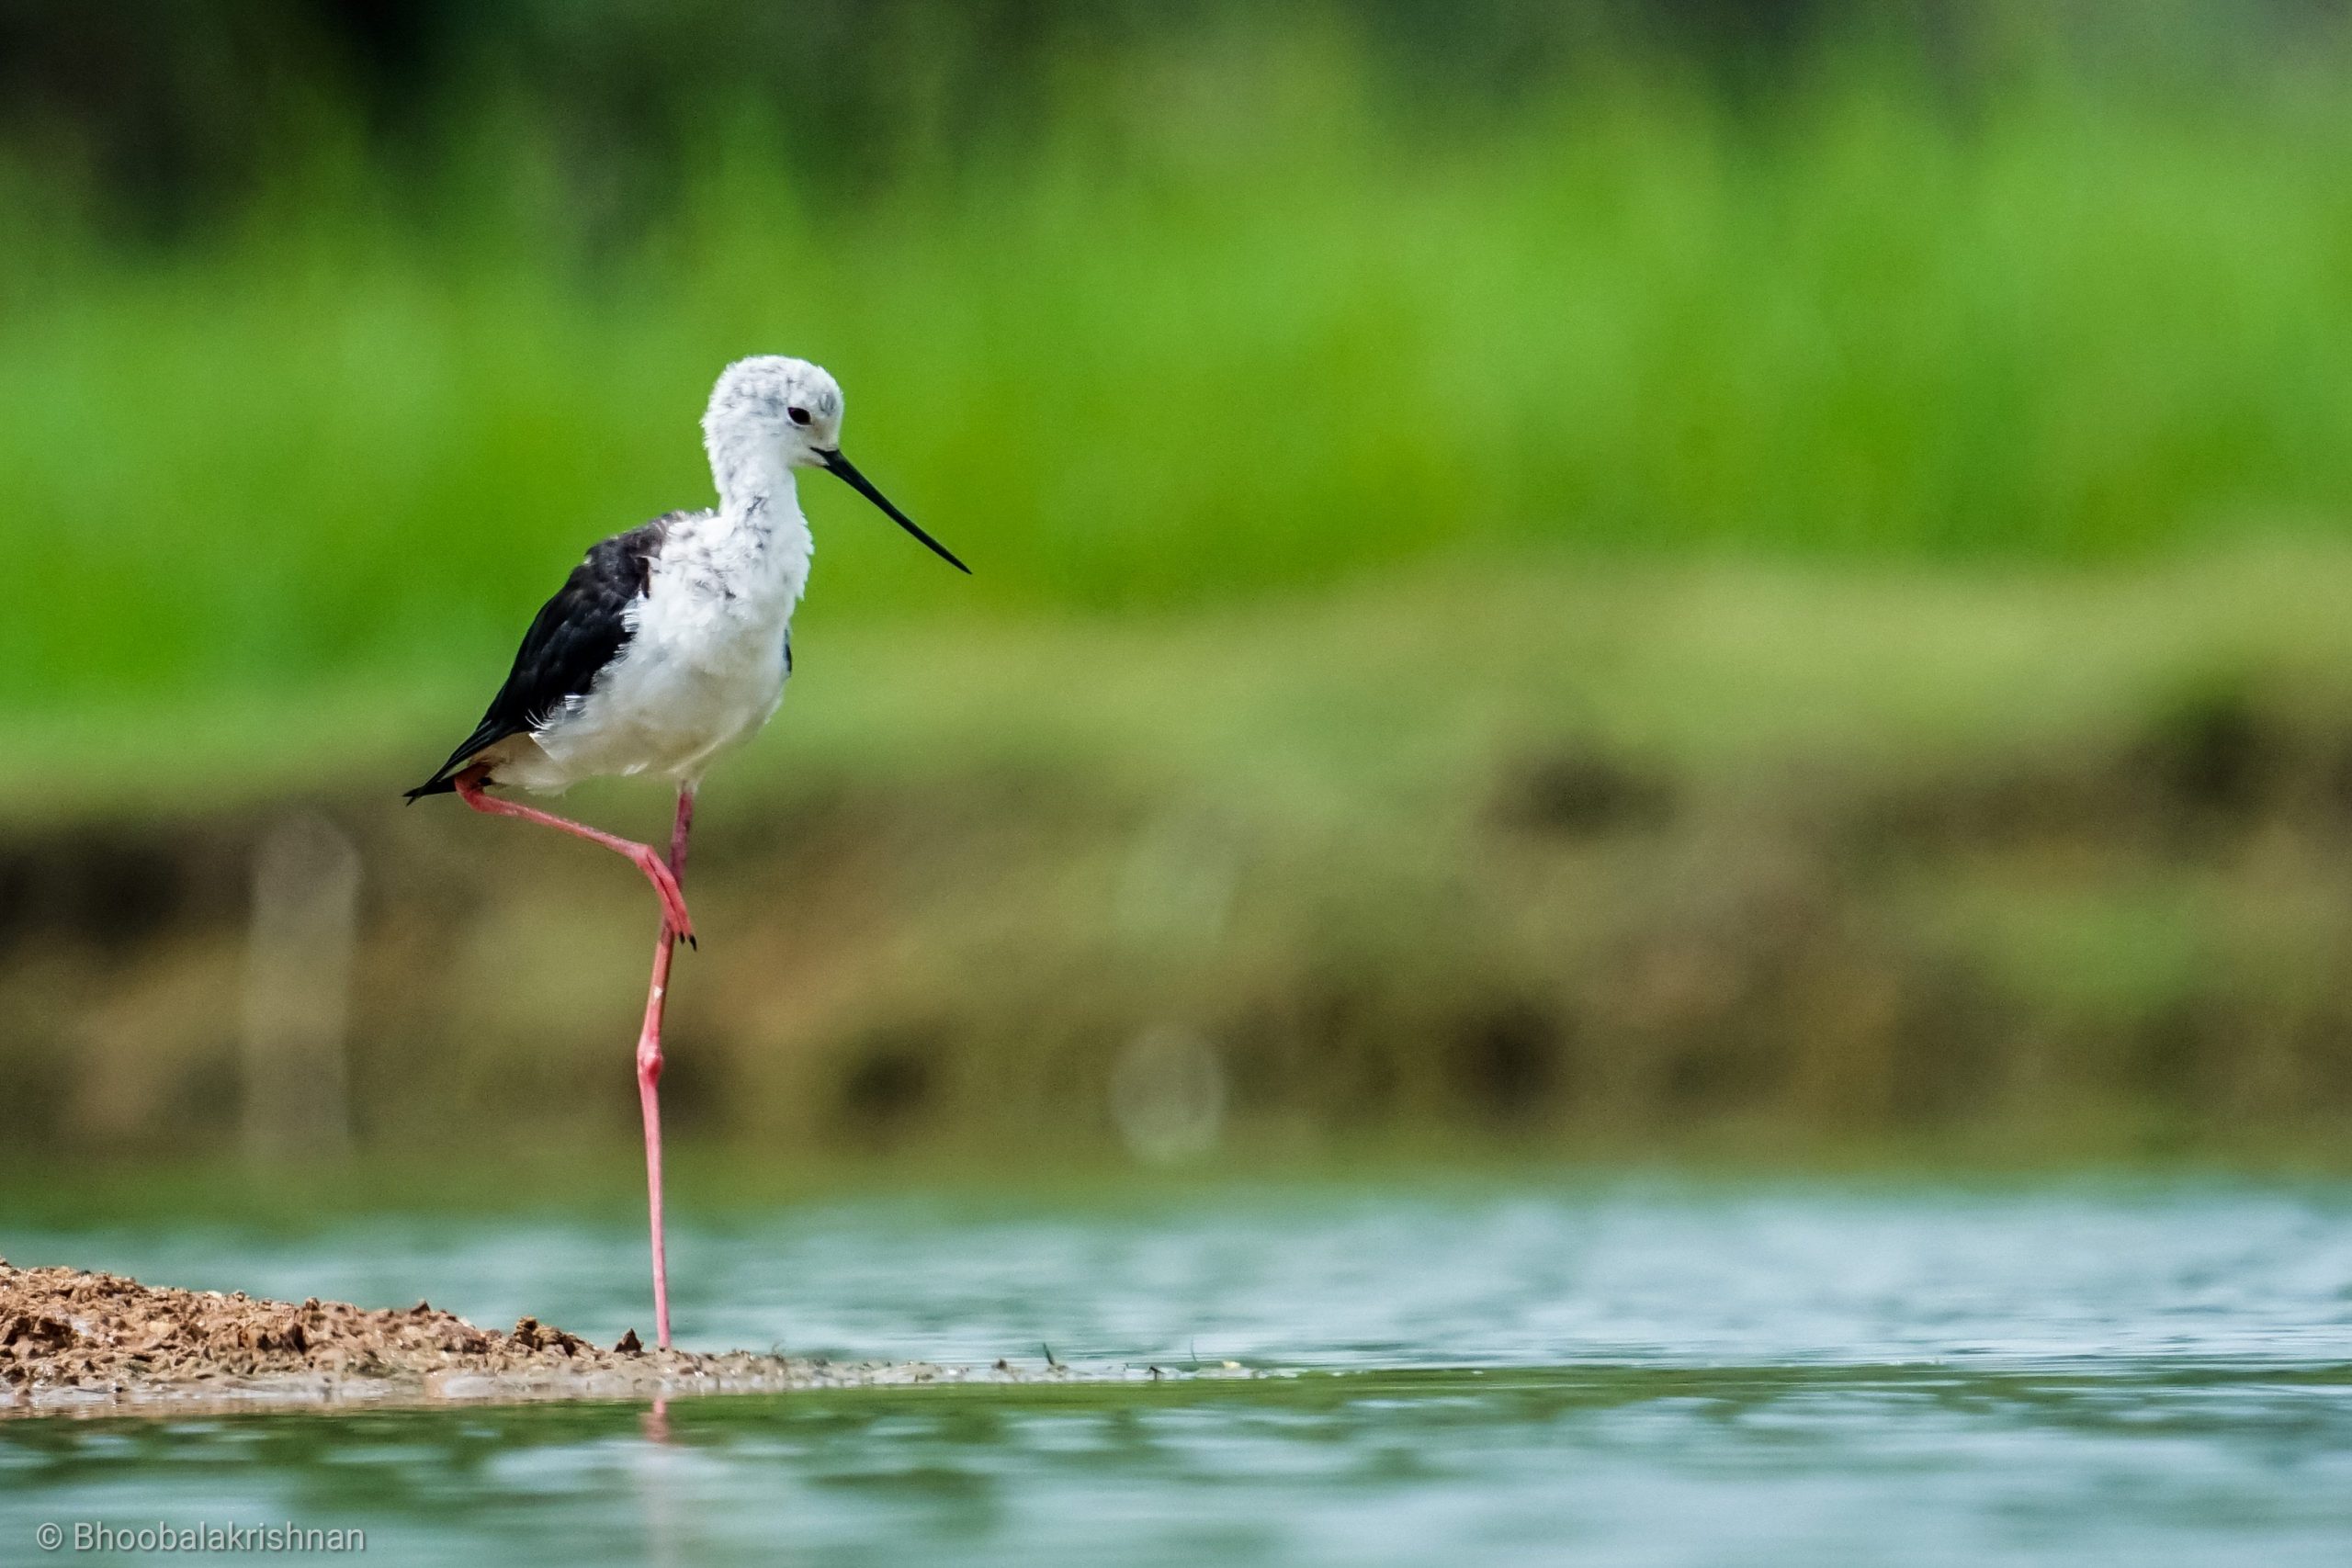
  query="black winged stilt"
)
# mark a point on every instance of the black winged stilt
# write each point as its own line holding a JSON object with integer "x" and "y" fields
{"x": 666, "y": 646}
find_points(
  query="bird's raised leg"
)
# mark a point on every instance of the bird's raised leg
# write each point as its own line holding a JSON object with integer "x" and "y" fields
{"x": 646, "y": 858}
{"x": 648, "y": 1067}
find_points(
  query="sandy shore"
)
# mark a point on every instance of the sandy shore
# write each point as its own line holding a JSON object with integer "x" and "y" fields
{"x": 74, "y": 1342}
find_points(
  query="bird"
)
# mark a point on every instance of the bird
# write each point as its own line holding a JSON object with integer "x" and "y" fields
{"x": 667, "y": 646}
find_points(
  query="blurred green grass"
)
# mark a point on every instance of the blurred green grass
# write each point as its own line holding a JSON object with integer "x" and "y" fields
{"x": 1234, "y": 326}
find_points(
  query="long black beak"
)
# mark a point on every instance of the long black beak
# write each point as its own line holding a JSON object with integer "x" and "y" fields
{"x": 837, "y": 464}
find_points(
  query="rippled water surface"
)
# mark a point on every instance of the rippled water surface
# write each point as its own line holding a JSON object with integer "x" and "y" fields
{"x": 1634, "y": 1373}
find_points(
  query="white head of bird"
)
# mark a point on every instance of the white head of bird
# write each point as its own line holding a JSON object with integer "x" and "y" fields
{"x": 769, "y": 414}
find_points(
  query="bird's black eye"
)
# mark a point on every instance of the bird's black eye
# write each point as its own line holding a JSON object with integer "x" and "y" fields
{"x": 799, "y": 416}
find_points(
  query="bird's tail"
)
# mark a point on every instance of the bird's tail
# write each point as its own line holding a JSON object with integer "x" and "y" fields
{"x": 445, "y": 777}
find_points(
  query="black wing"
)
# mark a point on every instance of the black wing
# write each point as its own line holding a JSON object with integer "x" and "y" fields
{"x": 572, "y": 637}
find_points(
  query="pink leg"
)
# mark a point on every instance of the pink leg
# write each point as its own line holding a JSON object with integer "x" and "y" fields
{"x": 646, "y": 858}
{"x": 648, "y": 1067}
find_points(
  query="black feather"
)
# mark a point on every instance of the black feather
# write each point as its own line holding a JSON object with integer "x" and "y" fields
{"x": 572, "y": 638}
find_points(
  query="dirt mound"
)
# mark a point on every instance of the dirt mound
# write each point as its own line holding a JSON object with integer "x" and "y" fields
{"x": 69, "y": 1339}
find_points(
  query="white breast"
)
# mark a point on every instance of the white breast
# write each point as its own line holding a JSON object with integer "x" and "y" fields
{"x": 706, "y": 663}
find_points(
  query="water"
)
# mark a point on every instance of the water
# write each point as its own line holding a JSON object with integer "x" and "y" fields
{"x": 1621, "y": 1374}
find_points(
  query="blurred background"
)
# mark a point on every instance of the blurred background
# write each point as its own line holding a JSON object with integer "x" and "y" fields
{"x": 1755, "y": 579}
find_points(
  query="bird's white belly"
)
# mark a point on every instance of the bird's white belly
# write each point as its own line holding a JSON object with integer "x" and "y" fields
{"x": 672, "y": 703}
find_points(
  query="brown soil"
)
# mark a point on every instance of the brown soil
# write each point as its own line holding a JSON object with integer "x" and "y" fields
{"x": 93, "y": 1343}
{"x": 1934, "y": 910}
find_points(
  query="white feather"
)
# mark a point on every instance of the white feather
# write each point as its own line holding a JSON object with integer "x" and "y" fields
{"x": 705, "y": 665}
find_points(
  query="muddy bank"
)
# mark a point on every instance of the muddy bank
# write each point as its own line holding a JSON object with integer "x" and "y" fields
{"x": 75, "y": 1342}
{"x": 1580, "y": 867}
{"x": 2144, "y": 943}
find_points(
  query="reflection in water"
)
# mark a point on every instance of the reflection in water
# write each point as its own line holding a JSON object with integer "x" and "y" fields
{"x": 1616, "y": 1374}
{"x": 2130, "y": 1463}
{"x": 655, "y": 1473}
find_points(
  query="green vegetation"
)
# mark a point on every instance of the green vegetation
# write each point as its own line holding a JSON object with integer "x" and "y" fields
{"x": 1230, "y": 323}
{"x": 1623, "y": 611}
